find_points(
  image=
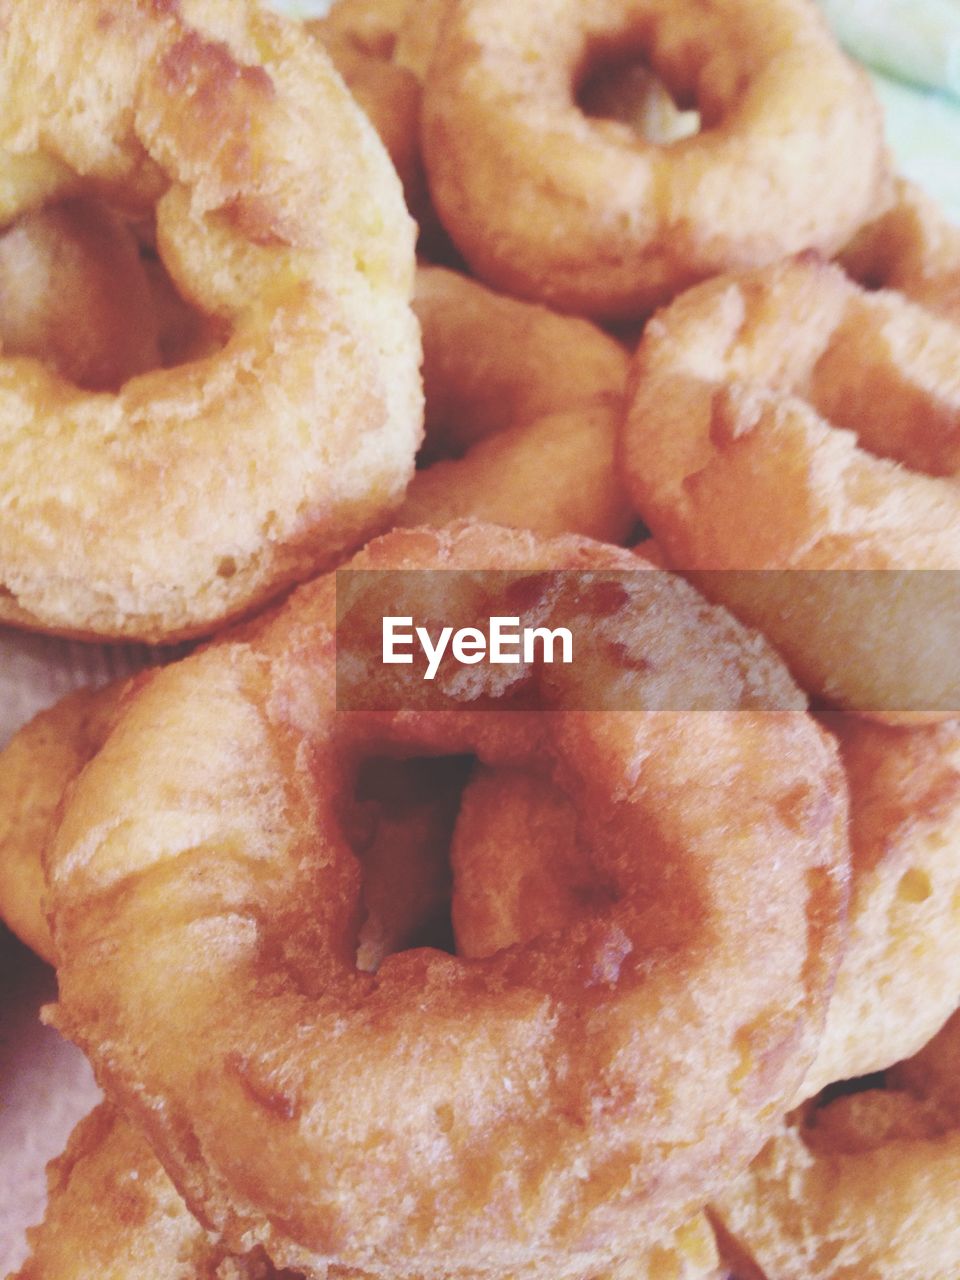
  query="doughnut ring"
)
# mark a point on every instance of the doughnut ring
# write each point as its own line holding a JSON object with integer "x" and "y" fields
{"x": 316, "y": 389}
{"x": 586, "y": 216}
{"x": 828, "y": 414}
{"x": 864, "y": 1185}
{"x": 222, "y": 782}
{"x": 523, "y": 411}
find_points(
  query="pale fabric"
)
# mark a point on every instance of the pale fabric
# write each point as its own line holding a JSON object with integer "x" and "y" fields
{"x": 915, "y": 40}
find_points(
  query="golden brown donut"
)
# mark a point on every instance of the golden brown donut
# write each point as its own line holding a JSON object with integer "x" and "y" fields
{"x": 583, "y": 214}
{"x": 523, "y": 411}
{"x": 36, "y": 768}
{"x": 787, "y": 420}
{"x": 912, "y": 248}
{"x": 74, "y": 294}
{"x": 898, "y": 980}
{"x": 221, "y": 784}
{"x": 630, "y": 92}
{"x": 278, "y": 213}
{"x": 861, "y": 1187}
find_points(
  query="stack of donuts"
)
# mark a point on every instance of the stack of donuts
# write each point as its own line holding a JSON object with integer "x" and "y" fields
{"x": 645, "y": 968}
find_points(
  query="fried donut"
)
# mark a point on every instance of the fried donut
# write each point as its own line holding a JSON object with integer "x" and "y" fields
{"x": 897, "y": 983}
{"x": 518, "y": 1106}
{"x": 912, "y": 248}
{"x": 36, "y": 769}
{"x": 74, "y": 294}
{"x": 523, "y": 412}
{"x": 827, "y": 416}
{"x": 583, "y": 214}
{"x": 862, "y": 1186}
{"x": 277, "y": 212}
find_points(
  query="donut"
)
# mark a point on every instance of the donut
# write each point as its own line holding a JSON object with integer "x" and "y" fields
{"x": 897, "y": 983}
{"x": 523, "y": 411}
{"x": 278, "y": 213}
{"x": 788, "y": 420}
{"x": 37, "y": 767}
{"x": 586, "y": 216}
{"x": 202, "y": 892}
{"x": 400, "y": 826}
{"x": 863, "y": 1185}
{"x": 912, "y": 248}
{"x": 73, "y": 293}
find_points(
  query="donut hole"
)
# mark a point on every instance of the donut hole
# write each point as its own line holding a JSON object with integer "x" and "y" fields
{"x": 441, "y": 445}
{"x": 184, "y": 333}
{"x": 399, "y": 823}
{"x": 83, "y": 291}
{"x": 627, "y": 91}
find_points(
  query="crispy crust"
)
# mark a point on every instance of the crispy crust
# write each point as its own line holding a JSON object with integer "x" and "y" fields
{"x": 112, "y": 1212}
{"x": 898, "y": 981}
{"x": 202, "y": 845}
{"x": 278, "y": 213}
